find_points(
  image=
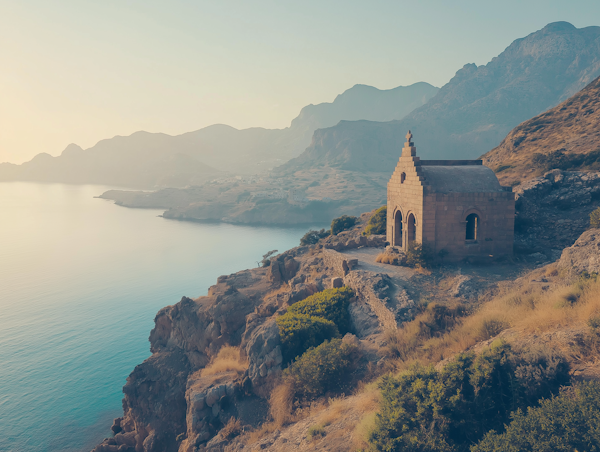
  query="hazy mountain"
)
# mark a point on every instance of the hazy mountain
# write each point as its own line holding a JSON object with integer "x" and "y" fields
{"x": 564, "y": 137}
{"x": 154, "y": 159}
{"x": 473, "y": 112}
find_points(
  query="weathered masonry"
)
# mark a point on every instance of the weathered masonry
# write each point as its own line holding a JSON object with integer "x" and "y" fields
{"x": 455, "y": 208}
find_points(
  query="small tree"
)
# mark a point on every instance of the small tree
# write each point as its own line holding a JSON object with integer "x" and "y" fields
{"x": 312, "y": 237}
{"x": 342, "y": 223}
{"x": 377, "y": 222}
{"x": 266, "y": 261}
{"x": 595, "y": 218}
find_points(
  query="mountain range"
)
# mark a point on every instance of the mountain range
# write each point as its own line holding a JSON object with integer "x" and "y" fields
{"x": 148, "y": 160}
{"x": 565, "y": 137}
{"x": 475, "y": 110}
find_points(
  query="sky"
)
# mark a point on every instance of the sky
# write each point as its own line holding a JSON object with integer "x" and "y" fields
{"x": 78, "y": 71}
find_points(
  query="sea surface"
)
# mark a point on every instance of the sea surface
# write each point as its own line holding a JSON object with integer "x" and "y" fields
{"x": 81, "y": 280}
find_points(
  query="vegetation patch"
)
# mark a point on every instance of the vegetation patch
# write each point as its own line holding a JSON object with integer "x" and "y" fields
{"x": 424, "y": 409}
{"x": 562, "y": 160}
{"x": 595, "y": 218}
{"x": 342, "y": 223}
{"x": 316, "y": 431}
{"x": 330, "y": 304}
{"x": 417, "y": 255}
{"x": 228, "y": 359}
{"x": 299, "y": 332}
{"x": 312, "y": 237}
{"x": 321, "y": 369}
{"x": 568, "y": 422}
{"x": 377, "y": 223}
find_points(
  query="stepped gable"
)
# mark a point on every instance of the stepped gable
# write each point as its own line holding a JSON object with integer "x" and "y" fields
{"x": 456, "y": 208}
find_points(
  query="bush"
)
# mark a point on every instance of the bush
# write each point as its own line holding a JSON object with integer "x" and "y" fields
{"x": 429, "y": 410}
{"x": 342, "y": 223}
{"x": 312, "y": 237}
{"x": 417, "y": 255}
{"x": 321, "y": 369}
{"x": 435, "y": 321}
{"x": 559, "y": 159}
{"x": 377, "y": 223}
{"x": 315, "y": 431}
{"x": 595, "y": 218}
{"x": 299, "y": 332}
{"x": 568, "y": 422}
{"x": 330, "y": 304}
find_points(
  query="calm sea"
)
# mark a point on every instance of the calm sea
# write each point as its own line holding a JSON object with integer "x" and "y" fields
{"x": 80, "y": 282}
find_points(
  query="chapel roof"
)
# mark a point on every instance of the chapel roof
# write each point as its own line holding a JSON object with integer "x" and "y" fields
{"x": 460, "y": 179}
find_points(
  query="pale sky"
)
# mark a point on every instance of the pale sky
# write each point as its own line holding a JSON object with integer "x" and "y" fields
{"x": 78, "y": 71}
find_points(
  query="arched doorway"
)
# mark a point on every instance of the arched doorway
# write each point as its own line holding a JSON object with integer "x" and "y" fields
{"x": 412, "y": 228}
{"x": 398, "y": 229}
{"x": 472, "y": 226}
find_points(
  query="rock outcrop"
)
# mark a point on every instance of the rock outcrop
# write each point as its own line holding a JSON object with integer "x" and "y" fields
{"x": 552, "y": 211}
{"x": 170, "y": 404}
{"x": 584, "y": 255}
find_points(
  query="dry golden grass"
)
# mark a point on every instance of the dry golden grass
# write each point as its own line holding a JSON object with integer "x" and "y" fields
{"x": 385, "y": 258}
{"x": 232, "y": 429}
{"x": 281, "y": 404}
{"x": 527, "y": 306}
{"x": 228, "y": 359}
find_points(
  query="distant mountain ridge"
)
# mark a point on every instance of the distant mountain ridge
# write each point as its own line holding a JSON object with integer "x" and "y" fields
{"x": 473, "y": 112}
{"x": 565, "y": 137}
{"x": 150, "y": 160}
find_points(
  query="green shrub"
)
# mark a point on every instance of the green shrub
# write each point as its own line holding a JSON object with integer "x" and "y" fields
{"x": 330, "y": 304}
{"x": 559, "y": 159}
{"x": 595, "y": 218}
{"x": 315, "y": 431}
{"x": 377, "y": 223}
{"x": 429, "y": 410}
{"x": 321, "y": 369}
{"x": 312, "y": 237}
{"x": 569, "y": 422}
{"x": 342, "y": 223}
{"x": 417, "y": 255}
{"x": 299, "y": 332}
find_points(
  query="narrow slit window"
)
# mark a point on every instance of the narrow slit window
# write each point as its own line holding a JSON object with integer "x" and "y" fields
{"x": 472, "y": 226}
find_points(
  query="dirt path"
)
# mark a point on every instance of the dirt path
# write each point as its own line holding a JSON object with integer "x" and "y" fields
{"x": 366, "y": 261}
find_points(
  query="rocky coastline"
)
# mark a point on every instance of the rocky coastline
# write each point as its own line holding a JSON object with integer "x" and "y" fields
{"x": 171, "y": 405}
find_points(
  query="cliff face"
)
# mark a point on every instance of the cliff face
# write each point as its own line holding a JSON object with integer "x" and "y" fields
{"x": 170, "y": 405}
{"x": 473, "y": 112}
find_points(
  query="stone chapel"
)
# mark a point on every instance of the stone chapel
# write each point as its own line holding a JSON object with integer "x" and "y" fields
{"x": 455, "y": 208}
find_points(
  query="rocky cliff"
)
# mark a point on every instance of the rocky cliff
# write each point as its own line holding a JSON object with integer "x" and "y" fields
{"x": 170, "y": 405}
{"x": 173, "y": 403}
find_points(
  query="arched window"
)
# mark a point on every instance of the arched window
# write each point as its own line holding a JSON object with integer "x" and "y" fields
{"x": 472, "y": 226}
{"x": 412, "y": 228}
{"x": 402, "y": 178}
{"x": 398, "y": 229}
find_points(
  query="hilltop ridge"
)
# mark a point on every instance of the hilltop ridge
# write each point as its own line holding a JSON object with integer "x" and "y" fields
{"x": 475, "y": 110}
{"x": 565, "y": 137}
{"x": 149, "y": 160}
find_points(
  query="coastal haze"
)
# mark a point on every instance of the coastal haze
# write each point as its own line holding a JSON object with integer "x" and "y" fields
{"x": 151, "y": 152}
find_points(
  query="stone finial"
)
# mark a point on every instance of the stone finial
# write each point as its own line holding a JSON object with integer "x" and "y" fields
{"x": 409, "y": 149}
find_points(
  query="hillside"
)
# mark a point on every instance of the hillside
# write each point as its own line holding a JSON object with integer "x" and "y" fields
{"x": 222, "y": 375}
{"x": 475, "y": 110}
{"x": 148, "y": 160}
{"x": 565, "y": 137}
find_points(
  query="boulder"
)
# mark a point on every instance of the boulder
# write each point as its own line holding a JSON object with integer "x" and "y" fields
{"x": 584, "y": 255}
